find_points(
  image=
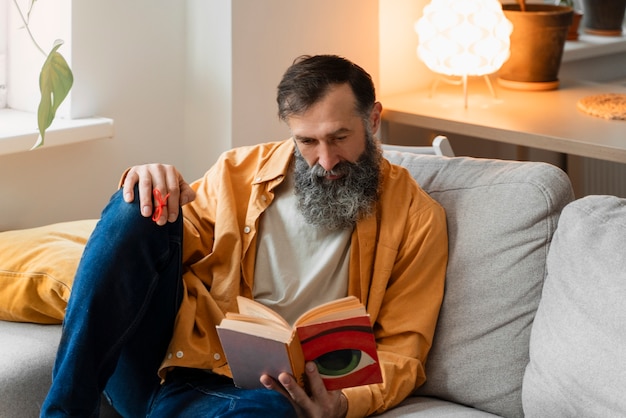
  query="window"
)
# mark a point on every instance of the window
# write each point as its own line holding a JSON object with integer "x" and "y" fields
{"x": 3, "y": 53}
{"x": 48, "y": 21}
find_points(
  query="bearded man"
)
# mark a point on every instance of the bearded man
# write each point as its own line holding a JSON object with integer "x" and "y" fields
{"x": 291, "y": 224}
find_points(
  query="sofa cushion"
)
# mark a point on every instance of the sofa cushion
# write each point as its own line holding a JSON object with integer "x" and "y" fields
{"x": 501, "y": 216}
{"x": 578, "y": 344}
{"x": 37, "y": 268}
{"x": 26, "y": 356}
{"x": 27, "y": 353}
{"x": 418, "y": 406}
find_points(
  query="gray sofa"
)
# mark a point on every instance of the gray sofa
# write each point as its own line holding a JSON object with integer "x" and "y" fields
{"x": 534, "y": 316}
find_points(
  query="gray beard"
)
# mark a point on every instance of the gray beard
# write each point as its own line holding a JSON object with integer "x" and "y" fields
{"x": 339, "y": 204}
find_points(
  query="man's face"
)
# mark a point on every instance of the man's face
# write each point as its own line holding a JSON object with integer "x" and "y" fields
{"x": 337, "y": 162}
{"x": 331, "y": 130}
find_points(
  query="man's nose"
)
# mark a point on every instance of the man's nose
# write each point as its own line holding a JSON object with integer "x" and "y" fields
{"x": 327, "y": 156}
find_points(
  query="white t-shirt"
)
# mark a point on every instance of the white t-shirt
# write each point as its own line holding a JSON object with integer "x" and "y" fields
{"x": 298, "y": 266}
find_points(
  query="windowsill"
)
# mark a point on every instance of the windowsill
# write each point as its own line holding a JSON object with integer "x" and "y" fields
{"x": 18, "y": 131}
{"x": 590, "y": 46}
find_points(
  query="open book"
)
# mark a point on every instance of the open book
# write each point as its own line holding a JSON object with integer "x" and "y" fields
{"x": 336, "y": 335}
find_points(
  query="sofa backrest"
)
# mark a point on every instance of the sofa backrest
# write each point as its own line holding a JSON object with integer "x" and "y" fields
{"x": 501, "y": 217}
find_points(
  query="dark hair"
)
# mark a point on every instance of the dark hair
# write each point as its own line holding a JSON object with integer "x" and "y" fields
{"x": 310, "y": 77}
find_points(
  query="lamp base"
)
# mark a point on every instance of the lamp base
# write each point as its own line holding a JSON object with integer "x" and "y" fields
{"x": 461, "y": 82}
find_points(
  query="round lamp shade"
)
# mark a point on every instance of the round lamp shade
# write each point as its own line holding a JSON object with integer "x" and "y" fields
{"x": 463, "y": 37}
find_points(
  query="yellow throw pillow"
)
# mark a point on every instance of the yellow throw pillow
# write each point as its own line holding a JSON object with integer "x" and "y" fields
{"x": 37, "y": 268}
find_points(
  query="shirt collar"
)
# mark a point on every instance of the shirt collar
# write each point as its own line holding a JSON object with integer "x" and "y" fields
{"x": 276, "y": 165}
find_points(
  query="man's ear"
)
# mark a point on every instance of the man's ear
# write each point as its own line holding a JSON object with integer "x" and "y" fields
{"x": 375, "y": 117}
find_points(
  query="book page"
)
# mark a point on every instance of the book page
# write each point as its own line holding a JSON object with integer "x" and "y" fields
{"x": 252, "y": 308}
{"x": 346, "y": 307}
{"x": 271, "y": 322}
{"x": 267, "y": 330}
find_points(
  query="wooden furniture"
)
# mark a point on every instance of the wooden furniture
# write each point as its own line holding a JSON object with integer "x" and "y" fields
{"x": 546, "y": 120}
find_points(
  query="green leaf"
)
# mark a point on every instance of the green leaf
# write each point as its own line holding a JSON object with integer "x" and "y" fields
{"x": 55, "y": 82}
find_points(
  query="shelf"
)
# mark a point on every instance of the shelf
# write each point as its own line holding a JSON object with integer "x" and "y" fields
{"x": 593, "y": 46}
{"x": 546, "y": 120}
{"x": 18, "y": 131}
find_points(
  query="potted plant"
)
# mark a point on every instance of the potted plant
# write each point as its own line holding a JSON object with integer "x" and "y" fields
{"x": 537, "y": 43}
{"x": 572, "y": 34}
{"x": 604, "y": 17}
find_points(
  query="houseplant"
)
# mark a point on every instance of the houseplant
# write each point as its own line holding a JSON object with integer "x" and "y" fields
{"x": 537, "y": 42}
{"x": 55, "y": 77}
{"x": 604, "y": 18}
{"x": 572, "y": 34}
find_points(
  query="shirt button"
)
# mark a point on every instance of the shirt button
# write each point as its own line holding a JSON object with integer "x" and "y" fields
{"x": 179, "y": 354}
{"x": 246, "y": 230}
{"x": 217, "y": 356}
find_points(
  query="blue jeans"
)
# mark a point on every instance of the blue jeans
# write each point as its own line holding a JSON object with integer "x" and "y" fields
{"x": 119, "y": 322}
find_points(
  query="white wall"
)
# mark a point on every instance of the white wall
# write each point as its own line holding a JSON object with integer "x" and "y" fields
{"x": 269, "y": 34}
{"x": 400, "y": 68}
{"x": 4, "y": 7}
{"x": 239, "y": 51}
{"x": 209, "y": 80}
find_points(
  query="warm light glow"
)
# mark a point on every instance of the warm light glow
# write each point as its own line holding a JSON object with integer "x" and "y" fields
{"x": 463, "y": 37}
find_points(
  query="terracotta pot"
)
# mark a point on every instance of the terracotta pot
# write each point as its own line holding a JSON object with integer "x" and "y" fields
{"x": 537, "y": 44}
{"x": 572, "y": 33}
{"x": 604, "y": 17}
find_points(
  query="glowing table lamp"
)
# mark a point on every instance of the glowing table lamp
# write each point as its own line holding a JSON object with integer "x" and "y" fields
{"x": 464, "y": 38}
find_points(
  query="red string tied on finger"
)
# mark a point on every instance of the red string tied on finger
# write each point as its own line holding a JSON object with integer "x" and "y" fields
{"x": 160, "y": 202}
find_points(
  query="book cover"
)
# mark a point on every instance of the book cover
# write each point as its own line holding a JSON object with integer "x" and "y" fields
{"x": 337, "y": 336}
{"x": 344, "y": 351}
{"x": 251, "y": 356}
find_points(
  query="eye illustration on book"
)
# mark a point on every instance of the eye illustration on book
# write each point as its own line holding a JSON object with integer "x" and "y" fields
{"x": 339, "y": 363}
{"x": 342, "y": 354}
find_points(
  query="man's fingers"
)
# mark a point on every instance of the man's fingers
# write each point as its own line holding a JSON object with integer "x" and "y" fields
{"x": 319, "y": 403}
{"x": 141, "y": 177}
{"x": 173, "y": 180}
{"x": 128, "y": 187}
{"x": 295, "y": 392}
{"x": 145, "y": 197}
{"x": 161, "y": 188}
{"x": 269, "y": 383}
{"x": 316, "y": 384}
{"x": 187, "y": 194}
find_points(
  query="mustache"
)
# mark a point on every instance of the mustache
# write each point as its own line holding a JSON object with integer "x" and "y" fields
{"x": 340, "y": 169}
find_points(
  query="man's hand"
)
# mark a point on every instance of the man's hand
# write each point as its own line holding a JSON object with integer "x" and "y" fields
{"x": 166, "y": 179}
{"x": 320, "y": 404}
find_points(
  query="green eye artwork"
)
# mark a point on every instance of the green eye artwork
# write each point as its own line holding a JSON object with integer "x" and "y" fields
{"x": 342, "y": 362}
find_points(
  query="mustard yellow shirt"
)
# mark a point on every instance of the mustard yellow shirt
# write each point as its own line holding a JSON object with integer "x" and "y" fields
{"x": 397, "y": 267}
